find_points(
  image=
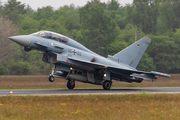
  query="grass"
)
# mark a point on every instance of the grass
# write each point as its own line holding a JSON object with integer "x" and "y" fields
{"x": 142, "y": 106}
{"x": 41, "y": 82}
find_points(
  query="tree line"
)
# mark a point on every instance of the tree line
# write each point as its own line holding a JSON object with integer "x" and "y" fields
{"x": 105, "y": 28}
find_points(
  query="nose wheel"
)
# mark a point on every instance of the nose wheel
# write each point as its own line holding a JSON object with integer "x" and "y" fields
{"x": 51, "y": 77}
{"x": 71, "y": 84}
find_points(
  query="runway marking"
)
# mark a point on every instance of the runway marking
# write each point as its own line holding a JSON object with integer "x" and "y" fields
{"x": 93, "y": 94}
{"x": 120, "y": 91}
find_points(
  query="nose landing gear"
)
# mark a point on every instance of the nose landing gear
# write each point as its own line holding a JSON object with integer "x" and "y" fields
{"x": 51, "y": 77}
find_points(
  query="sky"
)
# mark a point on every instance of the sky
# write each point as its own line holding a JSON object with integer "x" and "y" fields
{"x": 59, "y": 3}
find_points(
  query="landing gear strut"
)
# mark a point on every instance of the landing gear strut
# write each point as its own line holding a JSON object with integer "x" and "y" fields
{"x": 71, "y": 84}
{"x": 51, "y": 77}
{"x": 107, "y": 85}
{"x": 107, "y": 80}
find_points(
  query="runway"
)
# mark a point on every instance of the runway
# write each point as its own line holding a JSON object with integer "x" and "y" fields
{"x": 90, "y": 91}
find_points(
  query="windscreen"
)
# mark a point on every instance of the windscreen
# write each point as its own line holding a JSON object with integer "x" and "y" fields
{"x": 51, "y": 35}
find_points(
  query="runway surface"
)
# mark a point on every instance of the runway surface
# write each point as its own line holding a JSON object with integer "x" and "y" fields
{"x": 91, "y": 91}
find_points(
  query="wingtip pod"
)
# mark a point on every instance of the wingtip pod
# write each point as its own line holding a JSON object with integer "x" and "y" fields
{"x": 160, "y": 74}
{"x": 147, "y": 39}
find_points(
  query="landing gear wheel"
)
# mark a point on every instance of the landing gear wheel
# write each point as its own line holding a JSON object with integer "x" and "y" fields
{"x": 107, "y": 85}
{"x": 70, "y": 84}
{"x": 51, "y": 78}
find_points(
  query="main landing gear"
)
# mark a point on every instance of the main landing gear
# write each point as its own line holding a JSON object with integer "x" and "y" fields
{"x": 107, "y": 85}
{"x": 71, "y": 84}
{"x": 107, "y": 80}
{"x": 51, "y": 77}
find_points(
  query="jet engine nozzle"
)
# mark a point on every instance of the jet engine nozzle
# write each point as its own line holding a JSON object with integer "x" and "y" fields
{"x": 23, "y": 40}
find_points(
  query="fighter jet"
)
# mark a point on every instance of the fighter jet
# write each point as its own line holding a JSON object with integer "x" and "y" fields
{"x": 75, "y": 62}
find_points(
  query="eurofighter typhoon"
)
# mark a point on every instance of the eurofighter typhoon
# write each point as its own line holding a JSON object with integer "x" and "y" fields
{"x": 77, "y": 63}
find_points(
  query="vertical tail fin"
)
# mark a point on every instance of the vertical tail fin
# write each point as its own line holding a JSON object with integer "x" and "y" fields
{"x": 133, "y": 53}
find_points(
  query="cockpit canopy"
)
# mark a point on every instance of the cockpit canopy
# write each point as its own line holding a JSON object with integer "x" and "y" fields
{"x": 51, "y": 35}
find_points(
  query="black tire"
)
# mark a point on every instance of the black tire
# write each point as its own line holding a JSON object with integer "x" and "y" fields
{"x": 107, "y": 85}
{"x": 51, "y": 78}
{"x": 70, "y": 84}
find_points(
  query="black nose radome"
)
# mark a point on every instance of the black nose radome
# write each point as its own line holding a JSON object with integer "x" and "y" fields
{"x": 23, "y": 40}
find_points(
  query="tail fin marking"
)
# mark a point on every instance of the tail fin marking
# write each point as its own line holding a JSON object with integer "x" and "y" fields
{"x": 133, "y": 54}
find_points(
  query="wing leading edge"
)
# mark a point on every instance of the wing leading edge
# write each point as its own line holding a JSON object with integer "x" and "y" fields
{"x": 92, "y": 64}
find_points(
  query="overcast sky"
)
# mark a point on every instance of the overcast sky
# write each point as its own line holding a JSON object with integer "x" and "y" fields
{"x": 58, "y": 3}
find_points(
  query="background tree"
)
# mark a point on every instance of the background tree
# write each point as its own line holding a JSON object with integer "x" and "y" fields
{"x": 170, "y": 10}
{"x": 44, "y": 13}
{"x": 146, "y": 63}
{"x": 8, "y": 49}
{"x": 165, "y": 53}
{"x": 121, "y": 17}
{"x": 3, "y": 70}
{"x": 21, "y": 68}
{"x": 143, "y": 13}
{"x": 12, "y": 9}
{"x": 98, "y": 28}
{"x": 106, "y": 28}
{"x": 0, "y": 7}
{"x": 113, "y": 5}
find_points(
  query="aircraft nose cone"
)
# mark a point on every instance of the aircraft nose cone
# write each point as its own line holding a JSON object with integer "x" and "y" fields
{"x": 23, "y": 40}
